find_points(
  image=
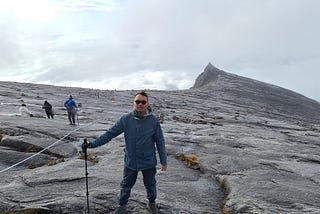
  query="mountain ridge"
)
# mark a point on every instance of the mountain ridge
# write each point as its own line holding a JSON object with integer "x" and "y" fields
{"x": 258, "y": 152}
{"x": 245, "y": 91}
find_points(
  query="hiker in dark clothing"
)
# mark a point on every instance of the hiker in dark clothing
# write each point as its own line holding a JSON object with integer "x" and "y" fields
{"x": 48, "y": 109}
{"x": 71, "y": 107}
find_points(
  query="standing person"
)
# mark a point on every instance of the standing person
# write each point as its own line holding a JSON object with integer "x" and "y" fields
{"x": 24, "y": 110}
{"x": 48, "y": 109}
{"x": 71, "y": 107}
{"x": 143, "y": 136}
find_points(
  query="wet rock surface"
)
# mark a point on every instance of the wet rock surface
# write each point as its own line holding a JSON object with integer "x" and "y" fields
{"x": 258, "y": 146}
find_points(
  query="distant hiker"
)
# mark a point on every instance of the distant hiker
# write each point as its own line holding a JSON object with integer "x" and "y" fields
{"x": 24, "y": 110}
{"x": 143, "y": 136}
{"x": 48, "y": 109}
{"x": 71, "y": 107}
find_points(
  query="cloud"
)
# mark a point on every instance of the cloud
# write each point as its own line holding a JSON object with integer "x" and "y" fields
{"x": 159, "y": 80}
{"x": 166, "y": 43}
{"x": 88, "y": 5}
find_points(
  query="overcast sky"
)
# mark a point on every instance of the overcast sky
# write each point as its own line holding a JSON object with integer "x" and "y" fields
{"x": 160, "y": 44}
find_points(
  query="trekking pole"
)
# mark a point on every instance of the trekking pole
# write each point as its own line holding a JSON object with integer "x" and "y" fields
{"x": 77, "y": 116}
{"x": 84, "y": 150}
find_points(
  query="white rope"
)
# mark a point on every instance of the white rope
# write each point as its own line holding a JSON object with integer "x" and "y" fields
{"x": 48, "y": 147}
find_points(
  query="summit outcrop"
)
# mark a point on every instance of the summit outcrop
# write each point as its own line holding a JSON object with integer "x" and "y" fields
{"x": 208, "y": 77}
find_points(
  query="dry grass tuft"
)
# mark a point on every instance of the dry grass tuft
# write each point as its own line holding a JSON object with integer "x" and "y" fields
{"x": 34, "y": 165}
{"x": 192, "y": 161}
{"x": 222, "y": 182}
{"x": 55, "y": 161}
{"x": 32, "y": 148}
{"x": 91, "y": 157}
{"x": 225, "y": 211}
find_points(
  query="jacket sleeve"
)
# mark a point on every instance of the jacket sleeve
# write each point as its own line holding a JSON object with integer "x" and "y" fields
{"x": 160, "y": 143}
{"x": 113, "y": 132}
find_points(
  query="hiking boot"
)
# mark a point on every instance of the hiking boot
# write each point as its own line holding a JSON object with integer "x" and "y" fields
{"x": 152, "y": 207}
{"x": 122, "y": 209}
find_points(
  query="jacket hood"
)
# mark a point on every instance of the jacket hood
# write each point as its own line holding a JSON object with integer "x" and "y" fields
{"x": 147, "y": 114}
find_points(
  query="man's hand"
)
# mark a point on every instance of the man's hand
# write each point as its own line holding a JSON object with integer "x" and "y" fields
{"x": 163, "y": 167}
{"x": 85, "y": 145}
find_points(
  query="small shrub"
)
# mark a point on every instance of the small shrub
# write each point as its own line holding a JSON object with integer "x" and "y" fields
{"x": 222, "y": 182}
{"x": 192, "y": 161}
{"x": 55, "y": 161}
{"x": 225, "y": 211}
{"x": 91, "y": 157}
{"x": 34, "y": 165}
{"x": 32, "y": 148}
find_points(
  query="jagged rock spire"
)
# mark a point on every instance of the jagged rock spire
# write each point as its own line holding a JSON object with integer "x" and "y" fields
{"x": 209, "y": 75}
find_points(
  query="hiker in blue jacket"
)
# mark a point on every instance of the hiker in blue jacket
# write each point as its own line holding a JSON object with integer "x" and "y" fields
{"x": 143, "y": 136}
{"x": 71, "y": 107}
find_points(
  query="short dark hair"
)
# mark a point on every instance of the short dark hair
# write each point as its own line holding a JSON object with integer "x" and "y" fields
{"x": 143, "y": 93}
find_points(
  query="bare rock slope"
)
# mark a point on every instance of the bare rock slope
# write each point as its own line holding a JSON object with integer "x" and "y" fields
{"x": 258, "y": 146}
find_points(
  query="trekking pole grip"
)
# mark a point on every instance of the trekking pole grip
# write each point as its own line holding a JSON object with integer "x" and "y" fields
{"x": 85, "y": 145}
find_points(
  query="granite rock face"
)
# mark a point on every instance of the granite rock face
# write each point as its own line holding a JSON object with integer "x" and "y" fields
{"x": 208, "y": 77}
{"x": 258, "y": 146}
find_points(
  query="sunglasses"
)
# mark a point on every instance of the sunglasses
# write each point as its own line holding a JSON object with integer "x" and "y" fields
{"x": 143, "y": 102}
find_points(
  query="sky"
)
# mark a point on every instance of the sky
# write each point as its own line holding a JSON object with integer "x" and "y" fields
{"x": 160, "y": 44}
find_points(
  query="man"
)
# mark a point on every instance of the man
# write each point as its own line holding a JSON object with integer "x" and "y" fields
{"x": 143, "y": 136}
{"x": 71, "y": 107}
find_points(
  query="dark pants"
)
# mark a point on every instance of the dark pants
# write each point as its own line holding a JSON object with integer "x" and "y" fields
{"x": 72, "y": 117}
{"x": 49, "y": 113}
{"x": 129, "y": 179}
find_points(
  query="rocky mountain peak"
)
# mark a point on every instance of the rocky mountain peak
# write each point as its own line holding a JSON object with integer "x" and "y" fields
{"x": 208, "y": 76}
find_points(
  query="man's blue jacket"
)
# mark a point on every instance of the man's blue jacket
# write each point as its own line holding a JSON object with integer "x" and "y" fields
{"x": 71, "y": 106}
{"x": 143, "y": 136}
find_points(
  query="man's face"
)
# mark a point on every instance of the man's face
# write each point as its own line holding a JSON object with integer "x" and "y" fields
{"x": 140, "y": 104}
